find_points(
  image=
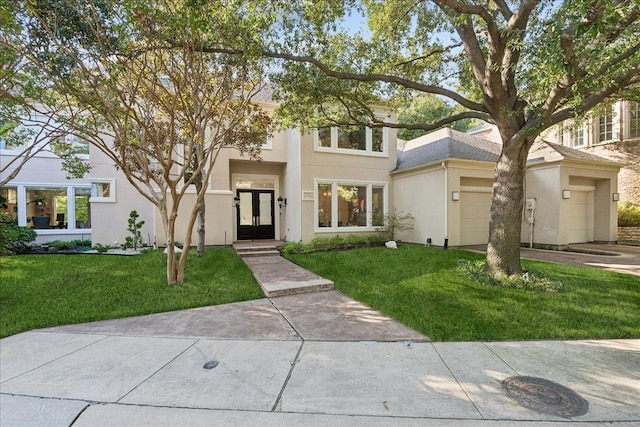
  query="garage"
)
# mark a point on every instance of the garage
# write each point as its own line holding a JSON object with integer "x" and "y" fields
{"x": 580, "y": 217}
{"x": 475, "y": 208}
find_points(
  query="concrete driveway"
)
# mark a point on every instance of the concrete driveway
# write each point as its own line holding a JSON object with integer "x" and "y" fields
{"x": 618, "y": 258}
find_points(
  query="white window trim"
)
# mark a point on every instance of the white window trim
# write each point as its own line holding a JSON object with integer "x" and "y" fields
{"x": 368, "y": 151}
{"x": 112, "y": 190}
{"x": 334, "y": 206}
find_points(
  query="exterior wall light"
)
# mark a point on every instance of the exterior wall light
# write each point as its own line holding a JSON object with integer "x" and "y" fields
{"x": 280, "y": 201}
{"x": 615, "y": 197}
{"x": 236, "y": 201}
{"x": 566, "y": 194}
{"x": 455, "y": 196}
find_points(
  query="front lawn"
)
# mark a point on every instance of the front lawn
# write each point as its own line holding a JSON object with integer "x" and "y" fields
{"x": 39, "y": 291}
{"x": 424, "y": 289}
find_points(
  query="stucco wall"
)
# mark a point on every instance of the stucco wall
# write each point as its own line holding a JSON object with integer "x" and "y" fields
{"x": 422, "y": 193}
{"x": 349, "y": 168}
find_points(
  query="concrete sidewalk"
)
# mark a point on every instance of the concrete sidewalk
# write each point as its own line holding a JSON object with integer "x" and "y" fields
{"x": 317, "y": 359}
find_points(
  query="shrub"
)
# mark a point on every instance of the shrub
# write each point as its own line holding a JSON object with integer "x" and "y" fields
{"x": 628, "y": 215}
{"x": 337, "y": 242}
{"x": 529, "y": 281}
{"x": 395, "y": 223}
{"x": 14, "y": 238}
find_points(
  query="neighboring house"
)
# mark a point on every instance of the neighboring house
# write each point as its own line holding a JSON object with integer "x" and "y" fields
{"x": 613, "y": 135}
{"x": 41, "y": 197}
{"x": 444, "y": 179}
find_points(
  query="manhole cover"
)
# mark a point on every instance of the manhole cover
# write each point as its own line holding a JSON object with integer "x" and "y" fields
{"x": 545, "y": 396}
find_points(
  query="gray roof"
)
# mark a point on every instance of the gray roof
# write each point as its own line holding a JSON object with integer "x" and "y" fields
{"x": 456, "y": 145}
{"x": 548, "y": 151}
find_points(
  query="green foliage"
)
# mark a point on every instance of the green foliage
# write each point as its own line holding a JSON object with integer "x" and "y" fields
{"x": 628, "y": 215}
{"x": 134, "y": 228}
{"x": 70, "y": 244}
{"x": 334, "y": 243}
{"x": 427, "y": 109}
{"x": 394, "y": 223}
{"x": 529, "y": 281}
{"x": 14, "y": 238}
{"x": 44, "y": 291}
{"x": 72, "y": 163}
{"x": 102, "y": 248}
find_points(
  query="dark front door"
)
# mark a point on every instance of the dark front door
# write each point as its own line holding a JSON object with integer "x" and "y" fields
{"x": 255, "y": 215}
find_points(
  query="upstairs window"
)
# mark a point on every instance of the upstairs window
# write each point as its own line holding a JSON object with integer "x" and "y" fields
{"x": 605, "y": 127}
{"x": 352, "y": 140}
{"x": 577, "y": 137}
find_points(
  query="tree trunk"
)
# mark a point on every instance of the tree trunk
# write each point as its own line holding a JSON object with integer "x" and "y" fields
{"x": 200, "y": 216}
{"x": 503, "y": 250}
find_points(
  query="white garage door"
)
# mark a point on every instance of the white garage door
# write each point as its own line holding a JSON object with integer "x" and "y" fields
{"x": 580, "y": 217}
{"x": 474, "y": 218}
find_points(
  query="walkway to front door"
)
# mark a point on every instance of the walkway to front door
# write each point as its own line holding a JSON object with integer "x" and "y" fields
{"x": 255, "y": 215}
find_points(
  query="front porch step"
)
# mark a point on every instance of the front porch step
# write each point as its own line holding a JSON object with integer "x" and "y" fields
{"x": 247, "y": 253}
{"x": 256, "y": 250}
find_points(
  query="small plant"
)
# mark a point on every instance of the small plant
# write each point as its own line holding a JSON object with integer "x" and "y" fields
{"x": 528, "y": 281}
{"x": 102, "y": 248}
{"x": 395, "y": 223}
{"x": 14, "y": 238}
{"x": 134, "y": 227}
{"x": 628, "y": 215}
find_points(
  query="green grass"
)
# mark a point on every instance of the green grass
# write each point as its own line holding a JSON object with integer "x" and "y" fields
{"x": 425, "y": 289}
{"x": 39, "y": 291}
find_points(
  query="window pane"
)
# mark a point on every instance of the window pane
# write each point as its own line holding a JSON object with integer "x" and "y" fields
{"x": 324, "y": 137}
{"x": 246, "y": 209}
{"x": 354, "y": 138}
{"x": 578, "y": 136}
{"x": 352, "y": 206}
{"x": 324, "y": 205}
{"x": 265, "y": 209}
{"x": 9, "y": 202}
{"x": 100, "y": 189}
{"x": 377, "y": 145}
{"x": 46, "y": 207}
{"x": 83, "y": 208}
{"x": 606, "y": 127}
{"x": 634, "y": 120}
{"x": 377, "y": 206}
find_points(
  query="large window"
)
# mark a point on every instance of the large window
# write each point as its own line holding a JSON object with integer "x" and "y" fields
{"x": 633, "y": 122}
{"x": 48, "y": 208}
{"x": 352, "y": 140}
{"x": 345, "y": 205}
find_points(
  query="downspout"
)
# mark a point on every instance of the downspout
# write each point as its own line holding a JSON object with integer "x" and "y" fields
{"x": 446, "y": 201}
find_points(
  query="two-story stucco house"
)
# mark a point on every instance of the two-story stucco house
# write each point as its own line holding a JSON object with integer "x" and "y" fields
{"x": 322, "y": 182}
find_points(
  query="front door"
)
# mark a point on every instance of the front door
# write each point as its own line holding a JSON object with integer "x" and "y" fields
{"x": 255, "y": 215}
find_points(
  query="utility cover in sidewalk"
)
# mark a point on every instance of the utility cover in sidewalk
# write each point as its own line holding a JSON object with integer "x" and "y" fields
{"x": 545, "y": 396}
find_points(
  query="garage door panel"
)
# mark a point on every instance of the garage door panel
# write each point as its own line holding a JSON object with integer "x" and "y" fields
{"x": 474, "y": 217}
{"x": 579, "y": 214}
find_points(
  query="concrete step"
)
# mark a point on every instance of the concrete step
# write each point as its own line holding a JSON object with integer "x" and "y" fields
{"x": 249, "y": 253}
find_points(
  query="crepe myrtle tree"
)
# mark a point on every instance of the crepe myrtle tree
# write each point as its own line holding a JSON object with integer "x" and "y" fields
{"x": 522, "y": 66}
{"x": 162, "y": 114}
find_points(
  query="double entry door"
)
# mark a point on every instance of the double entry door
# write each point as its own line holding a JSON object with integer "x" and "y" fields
{"x": 256, "y": 215}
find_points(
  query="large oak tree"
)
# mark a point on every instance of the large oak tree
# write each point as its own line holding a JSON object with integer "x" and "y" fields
{"x": 522, "y": 66}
